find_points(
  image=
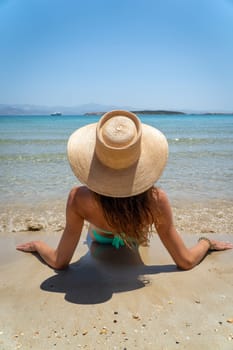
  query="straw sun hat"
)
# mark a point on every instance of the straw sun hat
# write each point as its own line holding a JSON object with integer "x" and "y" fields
{"x": 118, "y": 156}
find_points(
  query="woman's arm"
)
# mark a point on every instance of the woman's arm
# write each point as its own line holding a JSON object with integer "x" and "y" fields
{"x": 60, "y": 257}
{"x": 185, "y": 258}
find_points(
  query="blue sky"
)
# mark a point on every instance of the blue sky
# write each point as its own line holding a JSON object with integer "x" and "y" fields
{"x": 170, "y": 54}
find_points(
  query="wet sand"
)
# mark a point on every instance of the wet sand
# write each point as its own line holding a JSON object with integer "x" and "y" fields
{"x": 109, "y": 299}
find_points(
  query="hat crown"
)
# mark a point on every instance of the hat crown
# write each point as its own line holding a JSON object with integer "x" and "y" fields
{"x": 118, "y": 132}
{"x": 118, "y": 139}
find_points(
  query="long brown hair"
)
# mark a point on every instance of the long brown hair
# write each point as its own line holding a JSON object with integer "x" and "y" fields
{"x": 130, "y": 217}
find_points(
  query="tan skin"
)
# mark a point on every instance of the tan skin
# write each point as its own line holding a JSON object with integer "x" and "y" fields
{"x": 81, "y": 205}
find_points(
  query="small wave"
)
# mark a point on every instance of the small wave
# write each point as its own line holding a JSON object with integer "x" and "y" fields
{"x": 200, "y": 141}
{"x": 43, "y": 157}
{"x": 24, "y": 142}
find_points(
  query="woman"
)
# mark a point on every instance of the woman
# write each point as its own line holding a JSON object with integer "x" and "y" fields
{"x": 119, "y": 159}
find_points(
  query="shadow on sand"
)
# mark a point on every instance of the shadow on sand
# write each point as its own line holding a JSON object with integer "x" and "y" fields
{"x": 101, "y": 272}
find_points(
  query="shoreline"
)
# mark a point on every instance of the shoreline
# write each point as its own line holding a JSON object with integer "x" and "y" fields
{"x": 210, "y": 216}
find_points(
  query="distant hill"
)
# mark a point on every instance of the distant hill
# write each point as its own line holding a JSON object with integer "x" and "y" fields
{"x": 24, "y": 109}
{"x": 27, "y": 109}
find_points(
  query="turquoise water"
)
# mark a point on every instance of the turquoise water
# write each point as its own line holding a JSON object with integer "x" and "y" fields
{"x": 34, "y": 165}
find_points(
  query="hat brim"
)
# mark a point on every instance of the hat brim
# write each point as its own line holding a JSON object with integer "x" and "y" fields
{"x": 121, "y": 182}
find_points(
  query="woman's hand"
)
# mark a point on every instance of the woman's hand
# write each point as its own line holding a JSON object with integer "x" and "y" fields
{"x": 27, "y": 247}
{"x": 48, "y": 254}
{"x": 220, "y": 245}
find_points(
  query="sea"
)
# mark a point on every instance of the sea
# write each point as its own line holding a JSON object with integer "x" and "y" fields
{"x": 34, "y": 166}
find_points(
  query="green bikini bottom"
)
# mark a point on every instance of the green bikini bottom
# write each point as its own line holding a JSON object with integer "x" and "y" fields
{"x": 115, "y": 241}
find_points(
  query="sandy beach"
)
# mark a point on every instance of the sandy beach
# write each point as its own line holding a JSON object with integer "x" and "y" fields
{"x": 109, "y": 299}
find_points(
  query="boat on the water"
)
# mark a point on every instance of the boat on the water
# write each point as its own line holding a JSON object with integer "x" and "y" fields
{"x": 56, "y": 113}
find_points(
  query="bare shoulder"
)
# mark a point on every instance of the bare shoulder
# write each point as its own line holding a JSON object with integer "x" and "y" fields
{"x": 80, "y": 197}
{"x": 162, "y": 211}
{"x": 79, "y": 192}
{"x": 161, "y": 199}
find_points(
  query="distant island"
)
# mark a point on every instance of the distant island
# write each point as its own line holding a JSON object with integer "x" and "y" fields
{"x": 215, "y": 113}
{"x": 157, "y": 112}
{"x": 141, "y": 112}
{"x": 94, "y": 109}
